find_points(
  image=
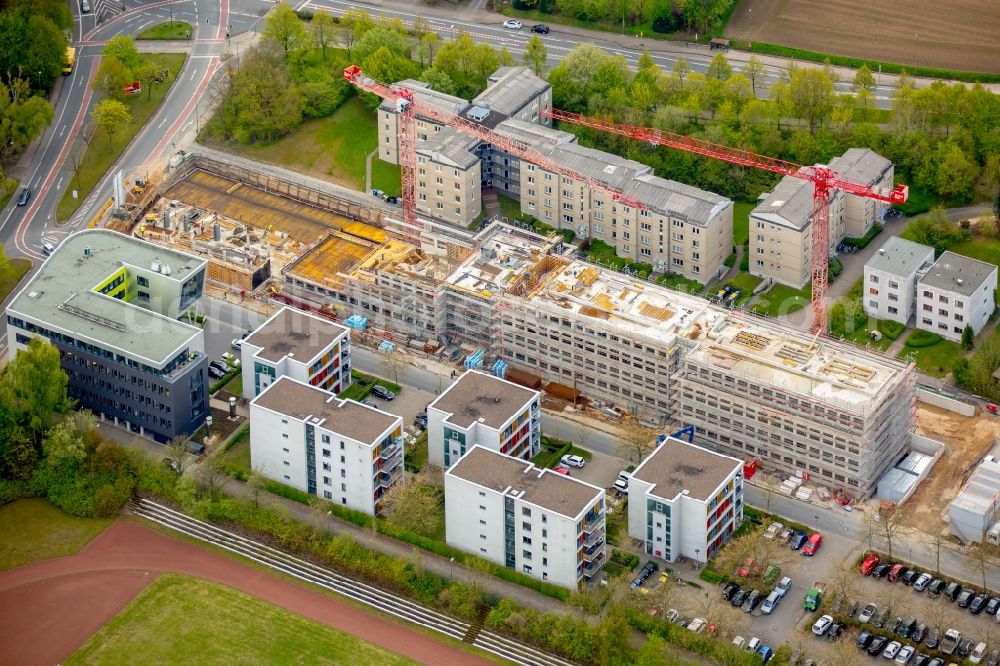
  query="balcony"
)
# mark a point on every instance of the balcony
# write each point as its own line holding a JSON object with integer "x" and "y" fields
{"x": 387, "y": 477}
{"x": 591, "y": 538}
{"x": 590, "y": 567}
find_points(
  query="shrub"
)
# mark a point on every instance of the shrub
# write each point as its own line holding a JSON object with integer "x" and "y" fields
{"x": 745, "y": 263}
{"x": 731, "y": 259}
{"x": 713, "y": 577}
{"x": 863, "y": 242}
{"x": 921, "y": 338}
{"x": 835, "y": 267}
{"x": 891, "y": 329}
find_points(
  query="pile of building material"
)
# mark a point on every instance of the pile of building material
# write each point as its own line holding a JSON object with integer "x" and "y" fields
{"x": 790, "y": 485}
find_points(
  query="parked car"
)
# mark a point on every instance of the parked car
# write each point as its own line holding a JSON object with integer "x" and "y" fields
{"x": 562, "y": 470}
{"x": 798, "y": 538}
{"x": 919, "y": 633}
{"x": 753, "y": 600}
{"x": 952, "y": 590}
{"x": 978, "y": 653}
{"x": 852, "y": 608}
{"x": 512, "y": 24}
{"x": 880, "y": 571}
{"x": 646, "y": 572}
{"x": 920, "y": 659}
{"x": 936, "y": 587}
{"x": 909, "y": 577}
{"x": 895, "y": 625}
{"x": 237, "y": 344}
{"x": 746, "y": 568}
{"x": 836, "y": 630}
{"x": 770, "y": 603}
{"x": 867, "y": 613}
{"x": 573, "y": 461}
{"x": 173, "y": 465}
{"x": 965, "y": 647}
{"x": 879, "y": 619}
{"x": 922, "y": 581}
{"x": 540, "y": 28}
{"x": 864, "y": 639}
{"x": 766, "y": 653}
{"x": 698, "y": 625}
{"x": 215, "y": 373}
{"x": 877, "y": 644}
{"x": 48, "y": 248}
{"x": 978, "y": 603}
{"x": 380, "y": 391}
{"x": 729, "y": 590}
{"x": 891, "y": 650}
{"x": 933, "y": 640}
{"x": 753, "y": 644}
{"x": 783, "y": 586}
{"x": 905, "y": 627}
{"x": 420, "y": 420}
{"x": 370, "y": 403}
{"x": 992, "y": 606}
{"x": 936, "y": 661}
{"x": 822, "y": 625}
{"x": 869, "y": 565}
{"x": 904, "y": 655}
{"x": 895, "y": 572}
{"x": 965, "y": 598}
{"x": 739, "y": 643}
{"x": 739, "y": 597}
{"x": 993, "y": 658}
{"x": 24, "y": 197}
{"x": 620, "y": 487}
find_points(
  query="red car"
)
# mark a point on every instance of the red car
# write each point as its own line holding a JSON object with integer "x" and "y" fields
{"x": 870, "y": 563}
{"x": 812, "y": 545}
{"x": 747, "y": 567}
{"x": 561, "y": 470}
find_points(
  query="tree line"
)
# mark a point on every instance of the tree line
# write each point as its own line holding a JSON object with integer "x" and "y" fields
{"x": 942, "y": 138}
{"x": 664, "y": 16}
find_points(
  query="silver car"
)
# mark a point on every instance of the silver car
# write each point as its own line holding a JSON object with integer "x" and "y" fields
{"x": 573, "y": 461}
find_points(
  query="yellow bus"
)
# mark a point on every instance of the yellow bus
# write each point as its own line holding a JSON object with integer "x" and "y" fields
{"x": 70, "y": 58}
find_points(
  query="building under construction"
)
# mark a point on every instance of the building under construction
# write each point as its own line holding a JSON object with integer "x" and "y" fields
{"x": 755, "y": 388}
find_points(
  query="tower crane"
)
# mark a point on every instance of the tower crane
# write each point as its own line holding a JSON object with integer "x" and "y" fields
{"x": 824, "y": 181}
{"x": 408, "y": 108}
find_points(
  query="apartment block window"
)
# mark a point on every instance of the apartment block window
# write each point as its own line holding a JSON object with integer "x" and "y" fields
{"x": 943, "y": 326}
{"x": 326, "y": 439}
{"x": 893, "y": 310}
{"x": 760, "y": 263}
{"x": 893, "y": 297}
{"x": 942, "y": 312}
{"x": 326, "y": 453}
{"x": 287, "y": 464}
{"x": 928, "y": 307}
{"x": 343, "y": 487}
{"x": 893, "y": 284}
{"x": 327, "y": 495}
{"x": 959, "y": 304}
{"x": 327, "y": 481}
{"x": 285, "y": 450}
{"x": 327, "y": 467}
{"x": 547, "y": 190}
{"x": 526, "y": 512}
{"x": 760, "y": 225}
{"x": 526, "y": 554}
{"x": 959, "y": 317}
{"x": 874, "y": 279}
{"x": 526, "y": 526}
{"x": 645, "y": 251}
{"x": 928, "y": 294}
{"x": 526, "y": 540}
{"x": 873, "y": 291}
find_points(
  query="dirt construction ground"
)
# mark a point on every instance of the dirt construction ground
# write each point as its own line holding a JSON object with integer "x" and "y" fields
{"x": 956, "y": 34}
{"x": 966, "y": 439}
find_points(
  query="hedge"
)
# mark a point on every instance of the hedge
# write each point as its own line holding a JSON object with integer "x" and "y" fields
{"x": 891, "y": 329}
{"x": 238, "y": 438}
{"x": 921, "y": 338}
{"x": 863, "y": 242}
{"x": 217, "y": 386}
{"x": 731, "y": 259}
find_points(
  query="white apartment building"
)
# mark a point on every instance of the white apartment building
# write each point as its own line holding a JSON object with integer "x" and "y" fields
{"x": 891, "y": 276}
{"x": 685, "y": 500}
{"x": 544, "y": 524}
{"x": 482, "y": 409}
{"x": 781, "y": 224}
{"x": 299, "y": 345}
{"x": 339, "y": 450}
{"x": 955, "y": 292}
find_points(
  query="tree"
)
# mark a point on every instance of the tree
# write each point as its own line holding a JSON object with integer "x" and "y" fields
{"x": 584, "y": 73}
{"x": 381, "y": 36}
{"x": 414, "y": 507}
{"x": 354, "y": 23}
{"x": 111, "y": 116}
{"x": 259, "y": 101}
{"x": 18, "y": 455}
{"x": 384, "y": 65}
{"x": 968, "y": 337}
{"x": 285, "y": 27}
{"x": 438, "y": 81}
{"x": 112, "y": 77}
{"x": 123, "y": 48}
{"x": 652, "y": 652}
{"x": 844, "y": 581}
{"x": 635, "y": 441}
{"x": 323, "y": 29}
{"x": 812, "y": 98}
{"x": 614, "y": 633}
{"x": 319, "y": 511}
{"x": 937, "y": 539}
{"x": 719, "y": 68}
{"x": 396, "y": 362}
{"x": 65, "y": 442}
{"x": 177, "y": 448}
{"x": 884, "y": 525}
{"x": 996, "y": 209}
{"x": 23, "y": 117}
{"x": 429, "y": 45}
{"x": 948, "y": 171}
{"x": 755, "y": 72}
{"x": 934, "y": 229}
{"x": 211, "y": 476}
{"x": 535, "y": 54}
{"x": 32, "y": 46}
{"x": 147, "y": 73}
{"x": 34, "y": 386}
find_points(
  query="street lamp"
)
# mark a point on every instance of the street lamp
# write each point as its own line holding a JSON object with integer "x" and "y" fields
{"x": 451, "y": 569}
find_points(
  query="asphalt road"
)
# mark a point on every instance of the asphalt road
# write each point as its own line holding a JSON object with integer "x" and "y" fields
{"x": 560, "y": 41}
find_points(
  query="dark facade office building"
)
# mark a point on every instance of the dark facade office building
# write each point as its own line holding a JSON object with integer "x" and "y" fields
{"x": 109, "y": 303}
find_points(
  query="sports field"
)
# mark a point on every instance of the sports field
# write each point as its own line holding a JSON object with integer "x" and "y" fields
{"x": 183, "y": 620}
{"x": 957, "y": 34}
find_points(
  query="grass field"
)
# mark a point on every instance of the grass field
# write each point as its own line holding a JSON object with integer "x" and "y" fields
{"x": 182, "y": 620}
{"x": 102, "y": 153}
{"x": 741, "y": 222}
{"x": 780, "y": 300}
{"x": 18, "y": 267}
{"x": 937, "y": 360}
{"x": 979, "y": 247}
{"x": 168, "y": 30}
{"x": 33, "y": 529}
{"x": 333, "y": 148}
{"x": 909, "y": 32}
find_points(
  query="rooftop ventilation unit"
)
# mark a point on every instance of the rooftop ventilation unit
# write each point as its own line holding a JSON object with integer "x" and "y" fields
{"x": 477, "y": 113}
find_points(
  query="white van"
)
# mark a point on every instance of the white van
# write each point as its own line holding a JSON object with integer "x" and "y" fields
{"x": 48, "y": 248}
{"x": 84, "y": 6}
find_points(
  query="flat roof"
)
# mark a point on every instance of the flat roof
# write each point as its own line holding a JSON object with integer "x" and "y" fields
{"x": 476, "y": 395}
{"x": 61, "y": 295}
{"x": 901, "y": 257}
{"x": 676, "y": 466}
{"x": 298, "y": 400}
{"x": 981, "y": 492}
{"x": 291, "y": 332}
{"x": 960, "y": 274}
{"x": 518, "y": 478}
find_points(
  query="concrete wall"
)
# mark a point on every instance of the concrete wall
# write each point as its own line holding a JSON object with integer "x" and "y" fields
{"x": 952, "y": 404}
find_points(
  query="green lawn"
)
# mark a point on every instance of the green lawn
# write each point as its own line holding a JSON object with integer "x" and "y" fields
{"x": 681, "y": 283}
{"x": 182, "y": 620}
{"x": 981, "y": 248}
{"x": 747, "y": 283}
{"x": 416, "y": 457}
{"x": 18, "y": 267}
{"x": 235, "y": 385}
{"x": 510, "y": 207}
{"x": 333, "y": 148}
{"x": 741, "y": 222}
{"x": 238, "y": 457}
{"x": 102, "y": 153}
{"x": 780, "y": 300}
{"x": 386, "y": 177}
{"x": 168, "y": 30}
{"x": 33, "y": 529}
{"x": 937, "y": 360}
{"x": 862, "y": 337}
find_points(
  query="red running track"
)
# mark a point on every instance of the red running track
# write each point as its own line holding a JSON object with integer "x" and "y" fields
{"x": 50, "y": 608}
